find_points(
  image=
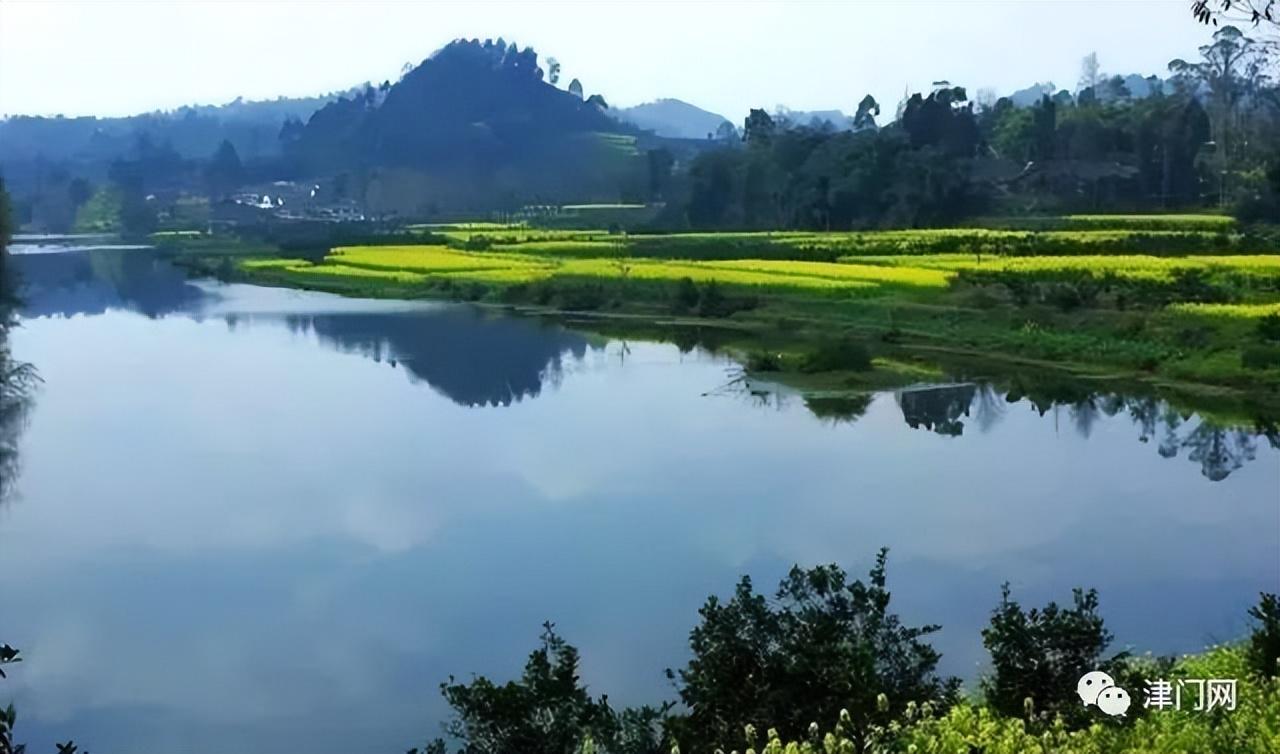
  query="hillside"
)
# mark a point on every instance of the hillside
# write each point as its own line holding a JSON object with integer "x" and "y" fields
{"x": 193, "y": 131}
{"x": 473, "y": 124}
{"x": 672, "y": 118}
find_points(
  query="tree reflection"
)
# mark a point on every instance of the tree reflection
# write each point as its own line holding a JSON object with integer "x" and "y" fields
{"x": 16, "y": 378}
{"x": 937, "y": 408}
{"x": 1219, "y": 448}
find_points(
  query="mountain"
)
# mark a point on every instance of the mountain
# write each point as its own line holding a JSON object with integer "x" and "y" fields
{"x": 194, "y": 131}
{"x": 672, "y": 118}
{"x": 1033, "y": 94}
{"x": 473, "y": 125}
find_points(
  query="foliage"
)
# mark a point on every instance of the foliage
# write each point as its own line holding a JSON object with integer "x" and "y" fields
{"x": 824, "y": 643}
{"x": 547, "y": 711}
{"x": 1269, "y": 325}
{"x": 1263, "y": 649}
{"x": 1040, "y": 654}
{"x": 8, "y": 715}
{"x": 838, "y": 354}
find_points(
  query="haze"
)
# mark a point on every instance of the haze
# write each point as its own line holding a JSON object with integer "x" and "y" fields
{"x": 78, "y": 58}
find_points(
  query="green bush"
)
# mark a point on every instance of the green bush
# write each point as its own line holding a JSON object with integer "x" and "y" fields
{"x": 1260, "y": 357}
{"x": 1040, "y": 654}
{"x": 1263, "y": 649}
{"x": 844, "y": 354}
{"x": 686, "y": 295}
{"x": 1269, "y": 327}
{"x": 823, "y": 644}
{"x": 547, "y": 711}
{"x": 764, "y": 361}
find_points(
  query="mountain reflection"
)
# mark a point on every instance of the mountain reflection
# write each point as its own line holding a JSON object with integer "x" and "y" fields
{"x": 472, "y": 359}
{"x": 1219, "y": 449}
{"x": 93, "y": 282}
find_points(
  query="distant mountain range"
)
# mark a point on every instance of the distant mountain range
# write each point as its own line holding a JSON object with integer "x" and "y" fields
{"x": 672, "y": 118}
{"x": 194, "y": 131}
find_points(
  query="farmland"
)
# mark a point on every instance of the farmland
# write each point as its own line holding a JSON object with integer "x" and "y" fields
{"x": 1170, "y": 300}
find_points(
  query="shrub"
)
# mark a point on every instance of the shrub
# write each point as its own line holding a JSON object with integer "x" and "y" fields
{"x": 824, "y": 644}
{"x": 764, "y": 361}
{"x": 1260, "y": 357}
{"x": 1040, "y": 654}
{"x": 686, "y": 295}
{"x": 1263, "y": 650}
{"x": 547, "y": 711}
{"x": 841, "y": 354}
{"x": 1269, "y": 327}
{"x": 712, "y": 301}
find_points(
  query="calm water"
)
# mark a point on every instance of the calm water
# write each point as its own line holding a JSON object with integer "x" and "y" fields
{"x": 252, "y": 519}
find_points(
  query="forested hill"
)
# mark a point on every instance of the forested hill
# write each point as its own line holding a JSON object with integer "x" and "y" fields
{"x": 194, "y": 131}
{"x": 472, "y": 104}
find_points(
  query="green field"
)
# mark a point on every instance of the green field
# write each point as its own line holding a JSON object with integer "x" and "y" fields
{"x": 1187, "y": 308}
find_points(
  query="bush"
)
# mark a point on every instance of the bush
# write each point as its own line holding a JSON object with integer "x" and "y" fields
{"x": 843, "y": 354}
{"x": 547, "y": 711}
{"x": 1263, "y": 649}
{"x": 1260, "y": 357}
{"x": 686, "y": 295}
{"x": 824, "y": 644}
{"x": 1269, "y": 327}
{"x": 1042, "y": 653}
{"x": 712, "y": 301}
{"x": 764, "y": 361}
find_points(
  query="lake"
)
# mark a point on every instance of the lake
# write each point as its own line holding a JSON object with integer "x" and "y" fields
{"x": 251, "y": 519}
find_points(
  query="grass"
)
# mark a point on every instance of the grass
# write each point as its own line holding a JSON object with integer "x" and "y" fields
{"x": 1175, "y": 222}
{"x": 1253, "y": 727}
{"x": 1182, "y": 317}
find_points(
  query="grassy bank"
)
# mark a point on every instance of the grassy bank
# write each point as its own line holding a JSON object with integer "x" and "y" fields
{"x": 1253, "y": 727}
{"x": 1196, "y": 317}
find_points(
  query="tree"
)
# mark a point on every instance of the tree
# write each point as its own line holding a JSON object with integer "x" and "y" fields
{"x": 575, "y": 88}
{"x": 553, "y": 71}
{"x": 547, "y": 711}
{"x": 1263, "y": 649}
{"x": 79, "y": 191}
{"x": 1090, "y": 73}
{"x": 758, "y": 128}
{"x": 865, "y": 118}
{"x": 726, "y": 132}
{"x": 1249, "y": 11}
{"x": 660, "y": 161}
{"x": 224, "y": 172}
{"x": 1042, "y": 653}
{"x": 824, "y": 644}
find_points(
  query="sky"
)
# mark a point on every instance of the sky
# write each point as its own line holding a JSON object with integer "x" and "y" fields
{"x": 119, "y": 57}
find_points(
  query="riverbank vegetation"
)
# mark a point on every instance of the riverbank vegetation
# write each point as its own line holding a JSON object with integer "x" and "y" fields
{"x": 1165, "y": 307}
{"x": 826, "y": 667}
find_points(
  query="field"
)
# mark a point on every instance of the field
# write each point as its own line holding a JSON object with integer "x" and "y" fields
{"x": 1127, "y": 295}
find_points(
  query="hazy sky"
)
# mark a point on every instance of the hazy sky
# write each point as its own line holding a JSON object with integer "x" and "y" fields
{"x": 115, "y": 58}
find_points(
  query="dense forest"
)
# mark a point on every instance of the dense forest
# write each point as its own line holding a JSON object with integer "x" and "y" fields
{"x": 483, "y": 126}
{"x": 1209, "y": 137}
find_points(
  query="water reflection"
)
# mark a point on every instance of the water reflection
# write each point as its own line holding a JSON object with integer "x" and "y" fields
{"x": 474, "y": 359}
{"x": 17, "y": 382}
{"x": 94, "y": 281}
{"x": 478, "y": 360}
{"x": 1219, "y": 449}
{"x": 269, "y": 545}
